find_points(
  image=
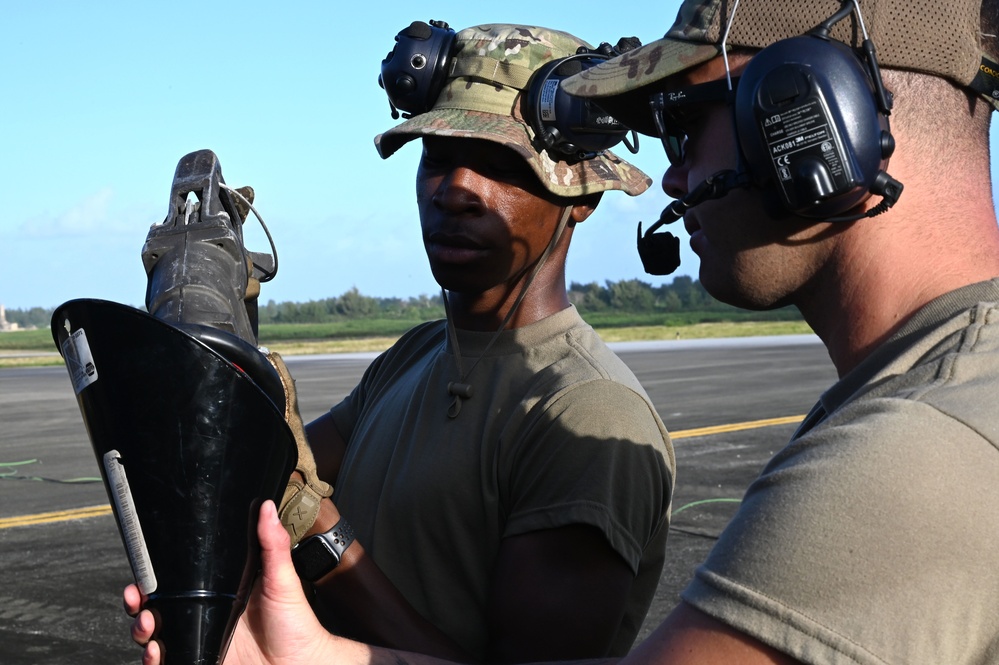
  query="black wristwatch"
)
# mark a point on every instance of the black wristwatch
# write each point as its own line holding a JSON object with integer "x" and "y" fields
{"x": 318, "y": 555}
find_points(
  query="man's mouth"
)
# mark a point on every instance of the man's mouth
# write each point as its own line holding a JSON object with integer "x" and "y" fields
{"x": 690, "y": 225}
{"x": 455, "y": 240}
{"x": 453, "y": 247}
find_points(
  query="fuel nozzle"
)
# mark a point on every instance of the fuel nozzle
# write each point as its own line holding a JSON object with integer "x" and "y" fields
{"x": 200, "y": 276}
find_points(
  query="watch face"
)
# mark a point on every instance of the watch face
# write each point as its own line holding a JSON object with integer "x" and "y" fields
{"x": 317, "y": 555}
{"x": 314, "y": 558}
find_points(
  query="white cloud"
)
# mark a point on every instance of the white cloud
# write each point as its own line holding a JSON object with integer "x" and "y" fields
{"x": 83, "y": 219}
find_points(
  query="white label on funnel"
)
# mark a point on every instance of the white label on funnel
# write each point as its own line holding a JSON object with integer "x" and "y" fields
{"x": 131, "y": 530}
{"x": 79, "y": 360}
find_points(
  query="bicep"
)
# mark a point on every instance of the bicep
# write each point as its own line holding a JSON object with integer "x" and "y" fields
{"x": 556, "y": 594}
{"x": 690, "y": 637}
{"x": 328, "y": 446}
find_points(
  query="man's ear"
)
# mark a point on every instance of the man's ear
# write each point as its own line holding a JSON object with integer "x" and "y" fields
{"x": 584, "y": 207}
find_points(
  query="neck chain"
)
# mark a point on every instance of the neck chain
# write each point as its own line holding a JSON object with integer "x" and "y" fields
{"x": 461, "y": 389}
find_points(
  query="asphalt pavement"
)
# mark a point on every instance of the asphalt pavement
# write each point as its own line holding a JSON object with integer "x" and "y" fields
{"x": 730, "y": 405}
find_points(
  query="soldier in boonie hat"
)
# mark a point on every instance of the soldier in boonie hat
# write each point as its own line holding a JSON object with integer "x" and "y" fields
{"x": 484, "y": 96}
{"x": 500, "y": 409}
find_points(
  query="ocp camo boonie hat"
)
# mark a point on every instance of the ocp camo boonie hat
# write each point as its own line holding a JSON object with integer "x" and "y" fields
{"x": 940, "y": 37}
{"x": 482, "y": 100}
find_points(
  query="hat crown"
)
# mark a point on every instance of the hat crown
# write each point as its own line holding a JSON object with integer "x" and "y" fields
{"x": 930, "y": 36}
{"x": 488, "y": 75}
{"x": 525, "y": 46}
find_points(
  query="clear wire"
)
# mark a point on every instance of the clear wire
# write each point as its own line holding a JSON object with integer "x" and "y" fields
{"x": 724, "y": 44}
{"x": 268, "y": 276}
{"x": 860, "y": 19}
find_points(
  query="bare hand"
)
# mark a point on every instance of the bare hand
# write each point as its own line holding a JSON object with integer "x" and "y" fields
{"x": 278, "y": 626}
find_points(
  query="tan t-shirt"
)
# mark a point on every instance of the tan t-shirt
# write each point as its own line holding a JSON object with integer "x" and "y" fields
{"x": 873, "y": 537}
{"x": 558, "y": 431}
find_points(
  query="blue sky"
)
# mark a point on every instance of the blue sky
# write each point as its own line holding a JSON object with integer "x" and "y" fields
{"x": 101, "y": 99}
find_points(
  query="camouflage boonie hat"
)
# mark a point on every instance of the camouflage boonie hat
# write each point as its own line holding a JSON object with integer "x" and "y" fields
{"x": 482, "y": 100}
{"x": 940, "y": 37}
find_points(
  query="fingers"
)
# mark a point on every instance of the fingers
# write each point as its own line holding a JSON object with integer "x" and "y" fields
{"x": 143, "y": 627}
{"x": 132, "y": 600}
{"x": 151, "y": 655}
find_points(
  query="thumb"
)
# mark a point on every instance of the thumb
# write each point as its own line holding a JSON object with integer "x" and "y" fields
{"x": 282, "y": 627}
{"x": 286, "y": 629}
{"x": 280, "y": 581}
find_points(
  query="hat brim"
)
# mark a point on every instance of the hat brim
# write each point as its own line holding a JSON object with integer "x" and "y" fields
{"x": 621, "y": 85}
{"x": 458, "y": 123}
{"x": 605, "y": 172}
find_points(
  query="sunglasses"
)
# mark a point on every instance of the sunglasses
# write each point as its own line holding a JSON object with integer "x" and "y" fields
{"x": 673, "y": 109}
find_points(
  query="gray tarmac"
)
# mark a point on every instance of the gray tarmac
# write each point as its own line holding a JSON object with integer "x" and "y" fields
{"x": 62, "y": 572}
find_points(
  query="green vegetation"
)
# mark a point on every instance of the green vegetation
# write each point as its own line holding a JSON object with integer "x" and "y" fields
{"x": 345, "y": 329}
{"x": 28, "y": 340}
{"x": 626, "y": 310}
{"x": 613, "y": 304}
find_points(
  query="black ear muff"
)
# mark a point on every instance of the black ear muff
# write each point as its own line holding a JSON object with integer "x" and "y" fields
{"x": 569, "y": 128}
{"x": 812, "y": 126}
{"x": 415, "y": 70}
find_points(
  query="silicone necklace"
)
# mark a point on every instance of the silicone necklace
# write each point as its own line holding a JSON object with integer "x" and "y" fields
{"x": 462, "y": 389}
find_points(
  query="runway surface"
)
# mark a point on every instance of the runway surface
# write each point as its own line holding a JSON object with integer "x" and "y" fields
{"x": 730, "y": 404}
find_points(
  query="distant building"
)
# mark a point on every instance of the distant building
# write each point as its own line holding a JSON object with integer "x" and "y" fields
{"x": 6, "y": 326}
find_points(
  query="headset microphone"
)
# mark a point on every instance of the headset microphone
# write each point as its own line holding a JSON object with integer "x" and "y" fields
{"x": 660, "y": 252}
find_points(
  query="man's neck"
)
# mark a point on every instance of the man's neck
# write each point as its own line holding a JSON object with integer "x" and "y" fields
{"x": 882, "y": 275}
{"x": 486, "y": 315}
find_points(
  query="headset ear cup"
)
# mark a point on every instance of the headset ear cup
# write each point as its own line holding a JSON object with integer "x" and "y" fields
{"x": 810, "y": 127}
{"x": 541, "y": 90}
{"x": 415, "y": 71}
{"x": 569, "y": 128}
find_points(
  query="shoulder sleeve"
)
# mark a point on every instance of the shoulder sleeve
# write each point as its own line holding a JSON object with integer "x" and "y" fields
{"x": 595, "y": 454}
{"x": 872, "y": 539}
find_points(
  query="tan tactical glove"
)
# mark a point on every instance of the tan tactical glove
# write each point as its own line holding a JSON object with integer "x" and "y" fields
{"x": 243, "y": 202}
{"x": 300, "y": 505}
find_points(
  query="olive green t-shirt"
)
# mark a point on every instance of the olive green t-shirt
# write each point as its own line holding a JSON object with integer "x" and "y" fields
{"x": 557, "y": 432}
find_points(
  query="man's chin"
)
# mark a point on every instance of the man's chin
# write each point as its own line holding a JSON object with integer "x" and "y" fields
{"x": 726, "y": 288}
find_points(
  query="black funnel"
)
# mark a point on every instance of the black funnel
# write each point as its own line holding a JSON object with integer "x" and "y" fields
{"x": 189, "y": 446}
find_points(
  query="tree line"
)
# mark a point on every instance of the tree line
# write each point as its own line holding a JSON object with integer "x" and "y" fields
{"x": 632, "y": 296}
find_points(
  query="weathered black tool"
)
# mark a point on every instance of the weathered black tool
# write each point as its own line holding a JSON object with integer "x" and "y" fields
{"x": 185, "y": 414}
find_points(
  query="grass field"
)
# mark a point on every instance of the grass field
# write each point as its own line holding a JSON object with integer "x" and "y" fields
{"x": 34, "y": 348}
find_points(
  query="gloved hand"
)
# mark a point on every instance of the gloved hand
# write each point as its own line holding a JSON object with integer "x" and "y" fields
{"x": 243, "y": 199}
{"x": 300, "y": 504}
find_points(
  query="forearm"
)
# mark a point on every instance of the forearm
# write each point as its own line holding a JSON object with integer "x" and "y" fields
{"x": 347, "y": 652}
{"x": 358, "y": 600}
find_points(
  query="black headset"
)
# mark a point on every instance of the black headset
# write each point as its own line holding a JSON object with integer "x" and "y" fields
{"x": 569, "y": 128}
{"x": 811, "y": 116}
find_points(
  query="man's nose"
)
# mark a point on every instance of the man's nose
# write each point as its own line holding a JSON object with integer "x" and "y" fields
{"x": 458, "y": 189}
{"x": 675, "y": 181}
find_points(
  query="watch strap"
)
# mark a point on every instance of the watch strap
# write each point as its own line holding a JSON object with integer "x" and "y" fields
{"x": 317, "y": 556}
